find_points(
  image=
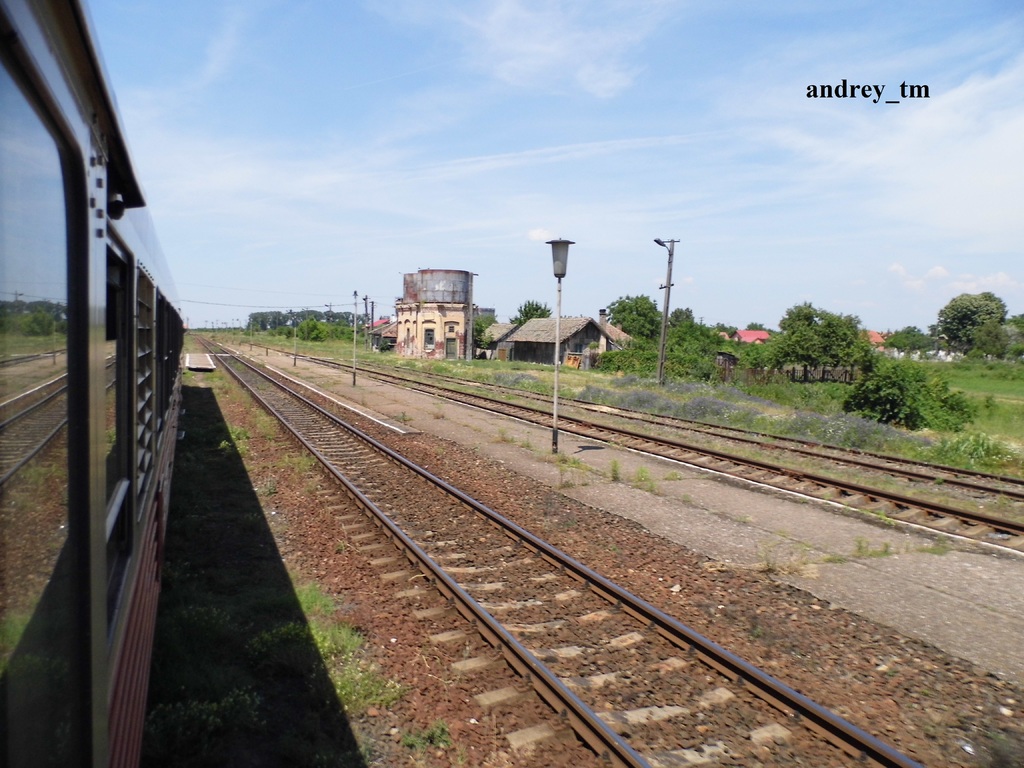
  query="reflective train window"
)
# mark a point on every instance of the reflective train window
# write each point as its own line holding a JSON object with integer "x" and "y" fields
{"x": 118, "y": 427}
{"x": 39, "y": 657}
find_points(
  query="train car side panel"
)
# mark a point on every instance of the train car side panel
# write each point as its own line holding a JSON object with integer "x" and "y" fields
{"x": 86, "y": 319}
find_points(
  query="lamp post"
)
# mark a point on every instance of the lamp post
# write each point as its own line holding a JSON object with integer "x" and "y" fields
{"x": 670, "y": 245}
{"x": 559, "y": 260}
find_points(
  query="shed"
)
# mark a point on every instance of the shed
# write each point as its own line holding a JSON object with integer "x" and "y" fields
{"x": 500, "y": 347}
{"x": 384, "y": 334}
{"x": 534, "y": 341}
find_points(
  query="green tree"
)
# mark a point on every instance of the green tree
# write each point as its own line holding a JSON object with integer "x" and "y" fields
{"x": 991, "y": 338}
{"x": 690, "y": 353}
{"x": 481, "y": 336}
{"x": 679, "y": 317}
{"x": 910, "y": 339}
{"x": 1015, "y": 333}
{"x": 39, "y": 323}
{"x": 636, "y": 315}
{"x": 312, "y": 329}
{"x": 964, "y": 314}
{"x": 761, "y": 356}
{"x": 900, "y": 392}
{"x": 815, "y": 337}
{"x": 528, "y": 310}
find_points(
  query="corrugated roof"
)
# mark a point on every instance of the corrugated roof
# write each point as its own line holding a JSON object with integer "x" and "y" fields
{"x": 542, "y": 329}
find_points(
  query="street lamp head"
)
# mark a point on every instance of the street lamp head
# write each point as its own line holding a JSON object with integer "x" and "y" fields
{"x": 660, "y": 242}
{"x": 560, "y": 255}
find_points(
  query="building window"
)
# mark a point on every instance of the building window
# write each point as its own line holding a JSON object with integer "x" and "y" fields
{"x": 428, "y": 338}
{"x": 451, "y": 328}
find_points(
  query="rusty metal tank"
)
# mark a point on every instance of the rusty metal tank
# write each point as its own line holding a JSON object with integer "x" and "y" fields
{"x": 442, "y": 286}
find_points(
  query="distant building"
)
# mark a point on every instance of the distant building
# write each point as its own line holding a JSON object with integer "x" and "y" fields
{"x": 500, "y": 346}
{"x": 434, "y": 316}
{"x": 751, "y": 337}
{"x": 876, "y": 339}
{"x": 534, "y": 341}
{"x": 384, "y": 333}
{"x": 617, "y": 338}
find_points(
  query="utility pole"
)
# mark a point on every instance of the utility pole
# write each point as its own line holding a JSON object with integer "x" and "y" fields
{"x": 366, "y": 311}
{"x": 670, "y": 245}
{"x": 355, "y": 328}
{"x": 469, "y": 320}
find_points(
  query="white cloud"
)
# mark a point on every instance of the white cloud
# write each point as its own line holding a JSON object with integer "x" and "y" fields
{"x": 545, "y": 43}
{"x": 1000, "y": 281}
{"x": 908, "y": 280}
{"x": 938, "y": 284}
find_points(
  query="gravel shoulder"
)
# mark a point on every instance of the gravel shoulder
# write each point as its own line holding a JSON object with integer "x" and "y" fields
{"x": 961, "y": 597}
{"x": 905, "y": 635}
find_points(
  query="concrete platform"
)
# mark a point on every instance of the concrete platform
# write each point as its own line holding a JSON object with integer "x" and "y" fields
{"x": 199, "y": 362}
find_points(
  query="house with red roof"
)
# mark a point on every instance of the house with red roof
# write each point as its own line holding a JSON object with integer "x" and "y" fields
{"x": 877, "y": 340}
{"x": 751, "y": 337}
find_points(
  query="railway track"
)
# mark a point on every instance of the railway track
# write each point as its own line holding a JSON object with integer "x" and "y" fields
{"x": 945, "y": 499}
{"x": 636, "y": 685}
{"x": 30, "y": 422}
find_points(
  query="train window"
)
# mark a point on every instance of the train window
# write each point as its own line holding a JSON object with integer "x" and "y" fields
{"x": 118, "y": 428}
{"x": 145, "y": 376}
{"x": 118, "y": 372}
{"x": 40, "y": 660}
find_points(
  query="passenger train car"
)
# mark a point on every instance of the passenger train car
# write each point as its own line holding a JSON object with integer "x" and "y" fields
{"x": 90, "y": 348}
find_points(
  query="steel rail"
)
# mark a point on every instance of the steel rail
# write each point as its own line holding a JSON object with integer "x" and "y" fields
{"x": 39, "y": 443}
{"x": 742, "y": 435}
{"x": 745, "y": 436}
{"x": 614, "y": 434}
{"x": 840, "y": 732}
{"x": 598, "y": 736}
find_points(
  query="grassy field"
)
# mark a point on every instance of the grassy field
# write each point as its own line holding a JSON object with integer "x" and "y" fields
{"x": 997, "y": 388}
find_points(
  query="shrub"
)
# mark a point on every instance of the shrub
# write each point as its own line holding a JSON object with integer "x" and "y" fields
{"x": 901, "y": 392}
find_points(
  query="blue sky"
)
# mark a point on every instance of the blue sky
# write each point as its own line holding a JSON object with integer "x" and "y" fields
{"x": 296, "y": 151}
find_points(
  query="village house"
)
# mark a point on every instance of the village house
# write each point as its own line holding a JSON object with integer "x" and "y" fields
{"x": 534, "y": 341}
{"x": 751, "y": 337}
